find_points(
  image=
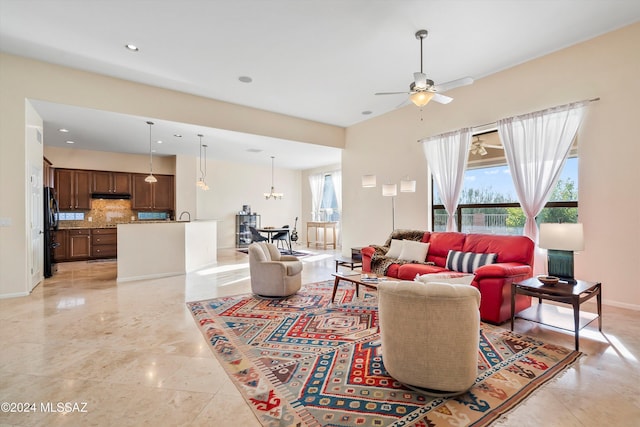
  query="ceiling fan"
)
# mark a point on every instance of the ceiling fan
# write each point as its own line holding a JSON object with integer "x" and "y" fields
{"x": 422, "y": 90}
{"x": 478, "y": 146}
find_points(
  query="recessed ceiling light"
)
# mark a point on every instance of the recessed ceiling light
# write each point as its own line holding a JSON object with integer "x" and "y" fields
{"x": 245, "y": 79}
{"x": 63, "y": 130}
{"x": 132, "y": 47}
{"x": 177, "y": 135}
{"x": 367, "y": 112}
{"x": 71, "y": 142}
{"x": 159, "y": 142}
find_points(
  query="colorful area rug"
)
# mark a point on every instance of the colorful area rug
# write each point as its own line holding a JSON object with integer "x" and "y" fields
{"x": 302, "y": 361}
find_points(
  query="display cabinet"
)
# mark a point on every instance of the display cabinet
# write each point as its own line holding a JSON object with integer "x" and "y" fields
{"x": 243, "y": 234}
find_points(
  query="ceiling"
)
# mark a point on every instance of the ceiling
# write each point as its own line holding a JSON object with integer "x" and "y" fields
{"x": 317, "y": 60}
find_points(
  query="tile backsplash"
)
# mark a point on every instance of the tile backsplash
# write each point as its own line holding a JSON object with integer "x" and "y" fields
{"x": 103, "y": 213}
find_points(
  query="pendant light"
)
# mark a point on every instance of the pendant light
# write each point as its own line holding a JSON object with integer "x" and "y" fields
{"x": 203, "y": 172}
{"x": 150, "y": 178}
{"x": 272, "y": 194}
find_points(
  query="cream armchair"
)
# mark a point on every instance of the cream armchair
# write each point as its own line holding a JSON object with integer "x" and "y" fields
{"x": 430, "y": 335}
{"x": 272, "y": 274}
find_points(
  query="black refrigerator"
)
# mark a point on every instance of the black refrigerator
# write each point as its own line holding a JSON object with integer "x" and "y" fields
{"x": 50, "y": 226}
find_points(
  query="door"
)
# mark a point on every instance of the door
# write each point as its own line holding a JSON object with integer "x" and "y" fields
{"x": 64, "y": 188}
{"x": 82, "y": 189}
{"x": 101, "y": 182}
{"x": 141, "y": 194}
{"x": 163, "y": 192}
{"x": 36, "y": 223}
{"x": 121, "y": 182}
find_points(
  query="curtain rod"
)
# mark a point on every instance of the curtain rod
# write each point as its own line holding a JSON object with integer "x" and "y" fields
{"x": 496, "y": 123}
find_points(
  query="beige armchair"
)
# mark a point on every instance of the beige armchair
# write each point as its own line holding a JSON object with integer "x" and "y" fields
{"x": 273, "y": 275}
{"x": 430, "y": 335}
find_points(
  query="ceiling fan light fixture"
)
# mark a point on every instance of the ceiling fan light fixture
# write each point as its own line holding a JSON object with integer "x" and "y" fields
{"x": 420, "y": 99}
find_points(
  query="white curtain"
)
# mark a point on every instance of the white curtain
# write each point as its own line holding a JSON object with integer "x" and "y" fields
{"x": 336, "y": 178}
{"x": 536, "y": 146}
{"x": 447, "y": 156}
{"x": 316, "y": 182}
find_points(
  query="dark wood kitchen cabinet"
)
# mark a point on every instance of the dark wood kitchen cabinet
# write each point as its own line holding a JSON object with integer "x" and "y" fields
{"x": 60, "y": 252}
{"x": 103, "y": 182}
{"x": 104, "y": 242}
{"x": 79, "y": 244}
{"x": 153, "y": 196}
{"x": 73, "y": 189}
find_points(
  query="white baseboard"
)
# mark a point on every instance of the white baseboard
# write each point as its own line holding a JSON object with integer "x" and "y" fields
{"x": 14, "y": 295}
{"x": 149, "y": 276}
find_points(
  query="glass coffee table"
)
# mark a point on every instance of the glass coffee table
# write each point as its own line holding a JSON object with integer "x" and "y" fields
{"x": 551, "y": 314}
{"x": 357, "y": 279}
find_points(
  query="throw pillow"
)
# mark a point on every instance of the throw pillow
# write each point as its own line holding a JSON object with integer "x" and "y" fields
{"x": 413, "y": 251}
{"x": 452, "y": 278}
{"x": 468, "y": 262}
{"x": 394, "y": 249}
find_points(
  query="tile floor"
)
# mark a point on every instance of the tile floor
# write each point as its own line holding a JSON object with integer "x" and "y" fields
{"x": 134, "y": 355}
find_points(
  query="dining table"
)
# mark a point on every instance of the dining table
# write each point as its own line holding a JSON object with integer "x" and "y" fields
{"x": 271, "y": 231}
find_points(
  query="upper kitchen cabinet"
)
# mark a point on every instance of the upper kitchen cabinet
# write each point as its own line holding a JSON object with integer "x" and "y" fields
{"x": 47, "y": 173}
{"x": 103, "y": 182}
{"x": 73, "y": 188}
{"x": 153, "y": 196}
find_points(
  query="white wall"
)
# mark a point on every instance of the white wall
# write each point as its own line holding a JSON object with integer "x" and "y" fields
{"x": 232, "y": 185}
{"x": 72, "y": 158}
{"x": 609, "y": 200}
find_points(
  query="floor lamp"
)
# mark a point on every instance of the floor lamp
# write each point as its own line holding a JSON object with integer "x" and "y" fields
{"x": 391, "y": 190}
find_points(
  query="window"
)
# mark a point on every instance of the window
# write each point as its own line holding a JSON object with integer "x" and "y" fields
{"x": 329, "y": 210}
{"x": 488, "y": 202}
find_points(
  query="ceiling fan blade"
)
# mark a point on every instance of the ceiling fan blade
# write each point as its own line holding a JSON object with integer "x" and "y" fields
{"x": 393, "y": 93}
{"x": 443, "y": 87}
{"x": 442, "y": 99}
{"x": 499, "y": 147}
{"x": 420, "y": 80}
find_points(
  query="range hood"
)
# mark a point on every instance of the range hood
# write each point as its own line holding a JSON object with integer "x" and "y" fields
{"x": 110, "y": 196}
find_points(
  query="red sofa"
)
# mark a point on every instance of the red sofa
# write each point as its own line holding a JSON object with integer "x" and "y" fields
{"x": 514, "y": 263}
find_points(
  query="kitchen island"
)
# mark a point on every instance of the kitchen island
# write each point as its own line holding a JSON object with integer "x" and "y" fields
{"x": 148, "y": 250}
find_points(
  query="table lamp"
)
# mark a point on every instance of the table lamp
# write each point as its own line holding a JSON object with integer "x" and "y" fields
{"x": 561, "y": 240}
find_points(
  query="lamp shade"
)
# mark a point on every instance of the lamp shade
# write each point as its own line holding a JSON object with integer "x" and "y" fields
{"x": 563, "y": 237}
{"x": 407, "y": 186}
{"x": 389, "y": 190}
{"x": 368, "y": 181}
{"x": 421, "y": 98}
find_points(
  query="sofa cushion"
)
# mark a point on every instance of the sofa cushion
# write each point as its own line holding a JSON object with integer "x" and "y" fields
{"x": 395, "y": 248}
{"x": 413, "y": 251}
{"x": 441, "y": 243}
{"x": 409, "y": 271}
{"x": 508, "y": 248}
{"x": 468, "y": 262}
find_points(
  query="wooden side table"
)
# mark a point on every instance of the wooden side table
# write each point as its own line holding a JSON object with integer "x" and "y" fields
{"x": 348, "y": 262}
{"x": 547, "y": 314}
{"x": 324, "y": 225}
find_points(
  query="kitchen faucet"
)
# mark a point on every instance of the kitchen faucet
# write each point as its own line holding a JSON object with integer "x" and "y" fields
{"x": 182, "y": 213}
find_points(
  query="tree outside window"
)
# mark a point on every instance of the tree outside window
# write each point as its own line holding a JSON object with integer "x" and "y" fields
{"x": 488, "y": 203}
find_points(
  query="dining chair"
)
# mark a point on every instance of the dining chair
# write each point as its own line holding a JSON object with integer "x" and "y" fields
{"x": 257, "y": 237}
{"x": 282, "y": 237}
